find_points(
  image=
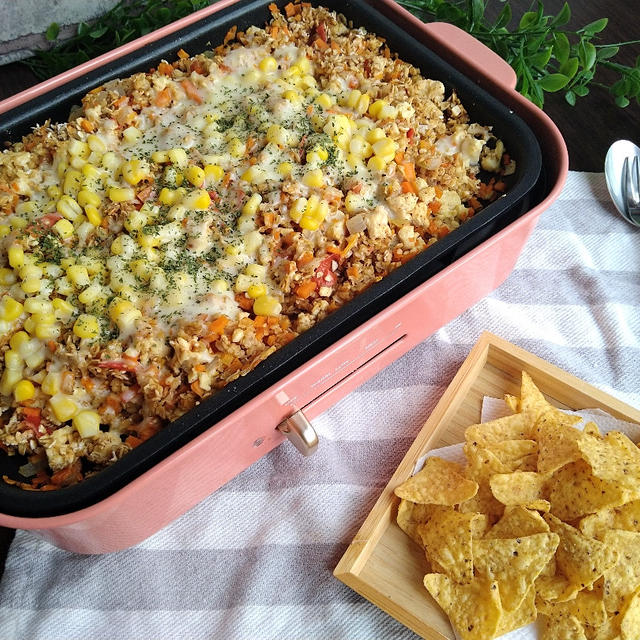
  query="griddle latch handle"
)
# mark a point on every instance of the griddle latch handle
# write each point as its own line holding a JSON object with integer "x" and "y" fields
{"x": 300, "y": 433}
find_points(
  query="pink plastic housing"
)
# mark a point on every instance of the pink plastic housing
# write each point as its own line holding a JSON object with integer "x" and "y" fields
{"x": 187, "y": 476}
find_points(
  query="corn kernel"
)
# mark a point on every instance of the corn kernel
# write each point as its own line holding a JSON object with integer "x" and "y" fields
{"x": 360, "y": 147}
{"x": 123, "y": 313}
{"x": 195, "y": 175}
{"x": 219, "y": 286}
{"x": 68, "y": 207}
{"x": 256, "y": 291}
{"x": 72, "y": 182}
{"x": 134, "y": 171}
{"x": 285, "y": 169}
{"x": 18, "y": 339}
{"x": 87, "y": 423}
{"x": 86, "y": 196}
{"x": 307, "y": 82}
{"x": 24, "y": 390}
{"x": 132, "y": 134}
{"x": 93, "y": 215}
{"x": 31, "y": 285}
{"x": 9, "y": 379}
{"x": 277, "y": 134}
{"x": 38, "y": 305}
{"x": 96, "y": 144}
{"x": 292, "y": 96}
{"x": 266, "y": 306}
{"x": 15, "y": 253}
{"x": 5, "y": 230}
{"x": 309, "y": 223}
{"x": 91, "y": 173}
{"x": 92, "y": 294}
{"x": 236, "y": 147}
{"x": 121, "y": 194}
{"x": 250, "y": 207}
{"x": 352, "y": 98}
{"x": 252, "y": 77}
{"x": 7, "y": 277}
{"x": 51, "y": 383}
{"x": 178, "y": 157}
{"x": 160, "y": 157}
{"x": 64, "y": 228}
{"x": 321, "y": 211}
{"x": 110, "y": 161}
{"x": 63, "y": 310}
{"x": 363, "y": 104}
{"x": 252, "y": 241}
{"x": 385, "y": 148}
{"x": 268, "y": 64}
{"x": 314, "y": 179}
{"x": 325, "y": 100}
{"x": 86, "y": 326}
{"x": 63, "y": 407}
{"x": 254, "y": 175}
{"x": 375, "y": 134}
{"x": 54, "y": 191}
{"x": 198, "y": 200}
{"x": 13, "y": 360}
{"x": 297, "y": 209}
{"x": 375, "y": 107}
{"x": 142, "y": 269}
{"x": 376, "y": 163}
{"x": 30, "y": 271}
{"x": 46, "y": 332}
{"x": 10, "y": 309}
{"x": 213, "y": 173}
{"x": 78, "y": 275}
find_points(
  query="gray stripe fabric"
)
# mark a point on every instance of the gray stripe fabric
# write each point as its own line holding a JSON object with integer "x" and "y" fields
{"x": 255, "y": 559}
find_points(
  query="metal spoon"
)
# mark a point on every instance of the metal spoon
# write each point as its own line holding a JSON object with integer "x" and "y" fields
{"x": 613, "y": 163}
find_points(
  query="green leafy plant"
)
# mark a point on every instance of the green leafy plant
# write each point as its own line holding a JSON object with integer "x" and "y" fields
{"x": 545, "y": 55}
{"x": 123, "y": 23}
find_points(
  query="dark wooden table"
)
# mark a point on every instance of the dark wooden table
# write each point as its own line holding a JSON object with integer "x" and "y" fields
{"x": 588, "y": 128}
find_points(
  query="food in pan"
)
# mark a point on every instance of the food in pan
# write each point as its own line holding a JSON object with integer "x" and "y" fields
{"x": 543, "y": 519}
{"x": 187, "y": 222}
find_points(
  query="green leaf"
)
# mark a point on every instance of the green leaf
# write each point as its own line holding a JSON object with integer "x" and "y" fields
{"x": 561, "y": 47}
{"x": 595, "y": 27}
{"x": 83, "y": 29}
{"x": 570, "y": 97}
{"x": 553, "y": 82}
{"x": 580, "y": 90}
{"x": 622, "y": 101}
{"x": 99, "y": 32}
{"x": 504, "y": 17}
{"x": 604, "y": 53}
{"x": 541, "y": 59}
{"x": 587, "y": 54}
{"x": 563, "y": 17}
{"x": 569, "y": 68}
{"x": 52, "y": 31}
{"x": 529, "y": 19}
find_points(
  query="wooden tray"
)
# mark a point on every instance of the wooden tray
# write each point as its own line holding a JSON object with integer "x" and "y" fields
{"x": 382, "y": 563}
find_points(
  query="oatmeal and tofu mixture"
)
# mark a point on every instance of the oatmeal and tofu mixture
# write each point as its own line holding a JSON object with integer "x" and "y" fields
{"x": 187, "y": 222}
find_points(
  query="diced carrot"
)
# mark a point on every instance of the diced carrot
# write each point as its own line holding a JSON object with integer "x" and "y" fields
{"x": 197, "y": 67}
{"x": 120, "y": 101}
{"x": 148, "y": 427}
{"x": 408, "y": 171}
{"x": 53, "y": 345}
{"x": 439, "y": 191}
{"x": 191, "y": 91}
{"x": 260, "y": 321}
{"x": 165, "y": 68}
{"x": 273, "y": 7}
{"x": 244, "y": 302}
{"x": 197, "y": 389}
{"x": 475, "y": 203}
{"x": 87, "y": 383}
{"x": 163, "y": 99}
{"x": 319, "y": 43}
{"x": 227, "y": 179}
{"x": 182, "y": 54}
{"x": 499, "y": 186}
{"x": 253, "y": 160}
{"x": 132, "y": 441}
{"x": 305, "y": 289}
{"x": 408, "y": 187}
{"x": 353, "y": 271}
{"x": 269, "y": 218}
{"x": 218, "y": 325}
{"x": 290, "y": 10}
{"x": 68, "y": 476}
{"x": 86, "y": 125}
{"x": 434, "y": 206}
{"x": 399, "y": 157}
{"x": 357, "y": 188}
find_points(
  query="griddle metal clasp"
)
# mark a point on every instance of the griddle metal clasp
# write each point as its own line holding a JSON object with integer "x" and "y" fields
{"x": 300, "y": 433}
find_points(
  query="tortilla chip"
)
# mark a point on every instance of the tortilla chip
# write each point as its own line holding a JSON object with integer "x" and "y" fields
{"x": 630, "y": 623}
{"x": 481, "y": 465}
{"x": 555, "y": 588}
{"x": 516, "y": 455}
{"x": 569, "y": 628}
{"x": 532, "y": 403}
{"x": 621, "y": 580}
{"x": 525, "y": 614}
{"x": 520, "y": 487}
{"x": 587, "y": 607}
{"x": 447, "y": 541}
{"x": 613, "y": 458}
{"x": 591, "y": 429}
{"x": 514, "y": 563}
{"x": 627, "y": 516}
{"x": 610, "y": 630}
{"x": 410, "y": 515}
{"x": 474, "y": 609}
{"x": 513, "y": 402}
{"x": 582, "y": 560}
{"x": 575, "y": 492}
{"x": 597, "y": 524}
{"x": 517, "y": 522}
{"x": 514, "y": 427}
{"x": 557, "y": 441}
{"x": 438, "y": 482}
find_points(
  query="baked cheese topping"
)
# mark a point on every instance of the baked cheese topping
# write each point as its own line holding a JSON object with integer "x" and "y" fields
{"x": 193, "y": 219}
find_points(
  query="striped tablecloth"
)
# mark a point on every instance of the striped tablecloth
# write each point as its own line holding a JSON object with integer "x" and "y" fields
{"x": 255, "y": 559}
